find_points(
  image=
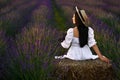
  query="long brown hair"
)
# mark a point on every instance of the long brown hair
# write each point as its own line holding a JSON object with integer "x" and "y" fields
{"x": 83, "y": 30}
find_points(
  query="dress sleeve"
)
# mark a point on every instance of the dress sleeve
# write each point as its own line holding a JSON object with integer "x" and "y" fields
{"x": 68, "y": 38}
{"x": 91, "y": 40}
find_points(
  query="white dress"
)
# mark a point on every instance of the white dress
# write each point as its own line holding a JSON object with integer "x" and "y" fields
{"x": 75, "y": 52}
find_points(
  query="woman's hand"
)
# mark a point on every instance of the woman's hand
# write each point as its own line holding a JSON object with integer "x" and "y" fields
{"x": 105, "y": 59}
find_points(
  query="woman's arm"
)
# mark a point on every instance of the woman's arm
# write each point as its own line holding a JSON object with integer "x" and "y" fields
{"x": 97, "y": 51}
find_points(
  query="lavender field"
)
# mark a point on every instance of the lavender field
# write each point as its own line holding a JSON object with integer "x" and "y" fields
{"x": 30, "y": 33}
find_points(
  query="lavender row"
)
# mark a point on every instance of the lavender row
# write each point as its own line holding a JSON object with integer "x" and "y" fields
{"x": 112, "y": 6}
{"x": 3, "y": 53}
{"x": 11, "y": 6}
{"x": 3, "y": 3}
{"x": 41, "y": 14}
{"x": 101, "y": 26}
{"x": 33, "y": 49}
{"x": 34, "y": 52}
{"x": 16, "y": 18}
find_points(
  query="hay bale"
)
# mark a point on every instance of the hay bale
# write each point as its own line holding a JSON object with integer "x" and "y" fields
{"x": 67, "y": 69}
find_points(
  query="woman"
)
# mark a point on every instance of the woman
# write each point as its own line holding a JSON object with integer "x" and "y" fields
{"x": 79, "y": 40}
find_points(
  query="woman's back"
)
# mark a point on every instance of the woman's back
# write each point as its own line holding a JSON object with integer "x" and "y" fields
{"x": 75, "y": 32}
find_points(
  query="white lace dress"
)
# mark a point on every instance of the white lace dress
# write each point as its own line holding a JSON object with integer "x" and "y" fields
{"x": 75, "y": 52}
